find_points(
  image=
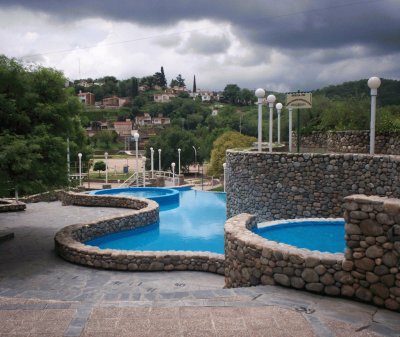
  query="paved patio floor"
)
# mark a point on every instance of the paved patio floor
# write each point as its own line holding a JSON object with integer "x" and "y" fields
{"x": 43, "y": 296}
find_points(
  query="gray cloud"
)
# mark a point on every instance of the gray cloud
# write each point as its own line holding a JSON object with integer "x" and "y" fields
{"x": 199, "y": 43}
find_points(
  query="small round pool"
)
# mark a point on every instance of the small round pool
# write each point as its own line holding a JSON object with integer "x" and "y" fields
{"x": 165, "y": 197}
{"x": 325, "y": 235}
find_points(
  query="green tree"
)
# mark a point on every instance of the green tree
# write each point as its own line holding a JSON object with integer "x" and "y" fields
{"x": 232, "y": 93}
{"x": 228, "y": 140}
{"x": 99, "y": 166}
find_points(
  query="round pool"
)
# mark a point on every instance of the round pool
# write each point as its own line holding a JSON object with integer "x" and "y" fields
{"x": 165, "y": 197}
{"x": 325, "y": 235}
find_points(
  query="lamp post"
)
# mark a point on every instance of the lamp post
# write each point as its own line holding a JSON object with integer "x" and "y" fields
{"x": 179, "y": 165}
{"x": 290, "y": 129}
{"x": 373, "y": 83}
{"x": 260, "y": 93}
{"x": 80, "y": 168}
{"x": 279, "y": 107}
{"x": 106, "y": 156}
{"x": 152, "y": 162}
{"x": 195, "y": 160}
{"x": 173, "y": 173}
{"x": 271, "y": 100}
{"x": 144, "y": 171}
{"x": 159, "y": 160}
{"x": 224, "y": 166}
{"x": 136, "y": 137}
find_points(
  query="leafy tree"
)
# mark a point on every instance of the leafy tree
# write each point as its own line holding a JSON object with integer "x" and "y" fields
{"x": 37, "y": 115}
{"x": 228, "y": 140}
{"x": 232, "y": 93}
{"x": 150, "y": 81}
{"x": 178, "y": 82}
{"x": 99, "y": 166}
{"x": 160, "y": 79}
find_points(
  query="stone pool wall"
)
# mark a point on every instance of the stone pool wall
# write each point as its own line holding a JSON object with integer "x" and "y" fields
{"x": 368, "y": 271}
{"x": 11, "y": 205}
{"x": 140, "y": 212}
{"x": 288, "y": 185}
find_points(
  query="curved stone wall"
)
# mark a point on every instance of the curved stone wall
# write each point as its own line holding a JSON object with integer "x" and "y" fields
{"x": 140, "y": 212}
{"x": 368, "y": 271}
{"x": 287, "y": 185}
{"x": 11, "y": 205}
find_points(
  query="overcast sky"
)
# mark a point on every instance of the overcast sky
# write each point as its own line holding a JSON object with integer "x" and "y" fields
{"x": 281, "y": 45}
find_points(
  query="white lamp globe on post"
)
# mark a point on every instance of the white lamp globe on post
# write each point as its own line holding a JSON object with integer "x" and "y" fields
{"x": 279, "y": 107}
{"x": 106, "y": 156}
{"x": 80, "y": 168}
{"x": 224, "y": 166}
{"x": 260, "y": 93}
{"x": 152, "y": 161}
{"x": 159, "y": 160}
{"x": 136, "y": 137}
{"x": 290, "y": 129}
{"x": 144, "y": 171}
{"x": 271, "y": 100}
{"x": 374, "y": 83}
{"x": 179, "y": 161}
{"x": 173, "y": 173}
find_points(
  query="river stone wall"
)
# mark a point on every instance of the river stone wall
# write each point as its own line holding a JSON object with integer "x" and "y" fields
{"x": 69, "y": 241}
{"x": 350, "y": 142}
{"x": 286, "y": 185}
{"x": 368, "y": 271}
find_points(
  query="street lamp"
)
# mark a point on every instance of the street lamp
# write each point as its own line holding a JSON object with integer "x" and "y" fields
{"x": 279, "y": 107}
{"x": 271, "y": 100}
{"x": 173, "y": 173}
{"x": 224, "y": 166}
{"x": 106, "y": 156}
{"x": 80, "y": 168}
{"x": 136, "y": 137}
{"x": 152, "y": 162}
{"x": 290, "y": 129}
{"x": 195, "y": 160}
{"x": 179, "y": 161}
{"x": 374, "y": 83}
{"x": 260, "y": 93}
{"x": 144, "y": 171}
{"x": 159, "y": 160}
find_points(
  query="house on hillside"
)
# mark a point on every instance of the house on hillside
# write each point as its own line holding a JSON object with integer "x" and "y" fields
{"x": 163, "y": 98}
{"x": 123, "y": 128}
{"x": 161, "y": 120}
{"x": 87, "y": 98}
{"x": 143, "y": 120}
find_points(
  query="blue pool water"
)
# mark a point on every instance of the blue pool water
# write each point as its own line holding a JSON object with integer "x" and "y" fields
{"x": 325, "y": 235}
{"x": 196, "y": 225}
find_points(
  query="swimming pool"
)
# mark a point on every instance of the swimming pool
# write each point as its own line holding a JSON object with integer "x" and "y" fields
{"x": 325, "y": 235}
{"x": 196, "y": 225}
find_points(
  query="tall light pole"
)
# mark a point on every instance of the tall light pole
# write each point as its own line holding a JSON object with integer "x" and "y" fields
{"x": 144, "y": 171}
{"x": 224, "y": 166}
{"x": 271, "y": 100}
{"x": 290, "y": 129}
{"x": 260, "y": 93}
{"x": 136, "y": 137}
{"x": 159, "y": 160}
{"x": 80, "y": 168}
{"x": 173, "y": 173}
{"x": 279, "y": 107}
{"x": 374, "y": 83}
{"x": 179, "y": 161}
{"x": 152, "y": 162}
{"x": 106, "y": 156}
{"x": 195, "y": 160}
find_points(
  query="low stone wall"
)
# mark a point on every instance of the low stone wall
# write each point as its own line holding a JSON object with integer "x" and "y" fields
{"x": 11, "y": 205}
{"x": 289, "y": 185}
{"x": 354, "y": 141}
{"x": 140, "y": 212}
{"x": 368, "y": 271}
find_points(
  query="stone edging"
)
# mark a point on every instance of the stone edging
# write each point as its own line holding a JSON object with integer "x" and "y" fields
{"x": 140, "y": 212}
{"x": 11, "y": 205}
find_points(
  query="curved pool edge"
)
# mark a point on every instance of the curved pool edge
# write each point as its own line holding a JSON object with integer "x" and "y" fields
{"x": 140, "y": 212}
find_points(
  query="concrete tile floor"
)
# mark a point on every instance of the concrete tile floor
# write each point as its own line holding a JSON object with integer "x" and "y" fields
{"x": 44, "y": 296}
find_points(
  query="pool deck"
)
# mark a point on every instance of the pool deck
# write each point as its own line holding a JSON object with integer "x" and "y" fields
{"x": 41, "y": 295}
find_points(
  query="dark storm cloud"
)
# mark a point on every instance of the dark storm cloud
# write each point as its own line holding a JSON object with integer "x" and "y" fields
{"x": 290, "y": 24}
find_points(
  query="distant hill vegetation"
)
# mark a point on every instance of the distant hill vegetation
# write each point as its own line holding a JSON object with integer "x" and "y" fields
{"x": 388, "y": 93}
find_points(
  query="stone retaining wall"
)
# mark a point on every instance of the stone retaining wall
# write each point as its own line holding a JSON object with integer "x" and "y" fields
{"x": 351, "y": 141}
{"x": 140, "y": 212}
{"x": 287, "y": 185}
{"x": 11, "y": 205}
{"x": 368, "y": 271}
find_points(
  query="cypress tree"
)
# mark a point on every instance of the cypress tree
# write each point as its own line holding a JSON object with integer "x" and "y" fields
{"x": 194, "y": 84}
